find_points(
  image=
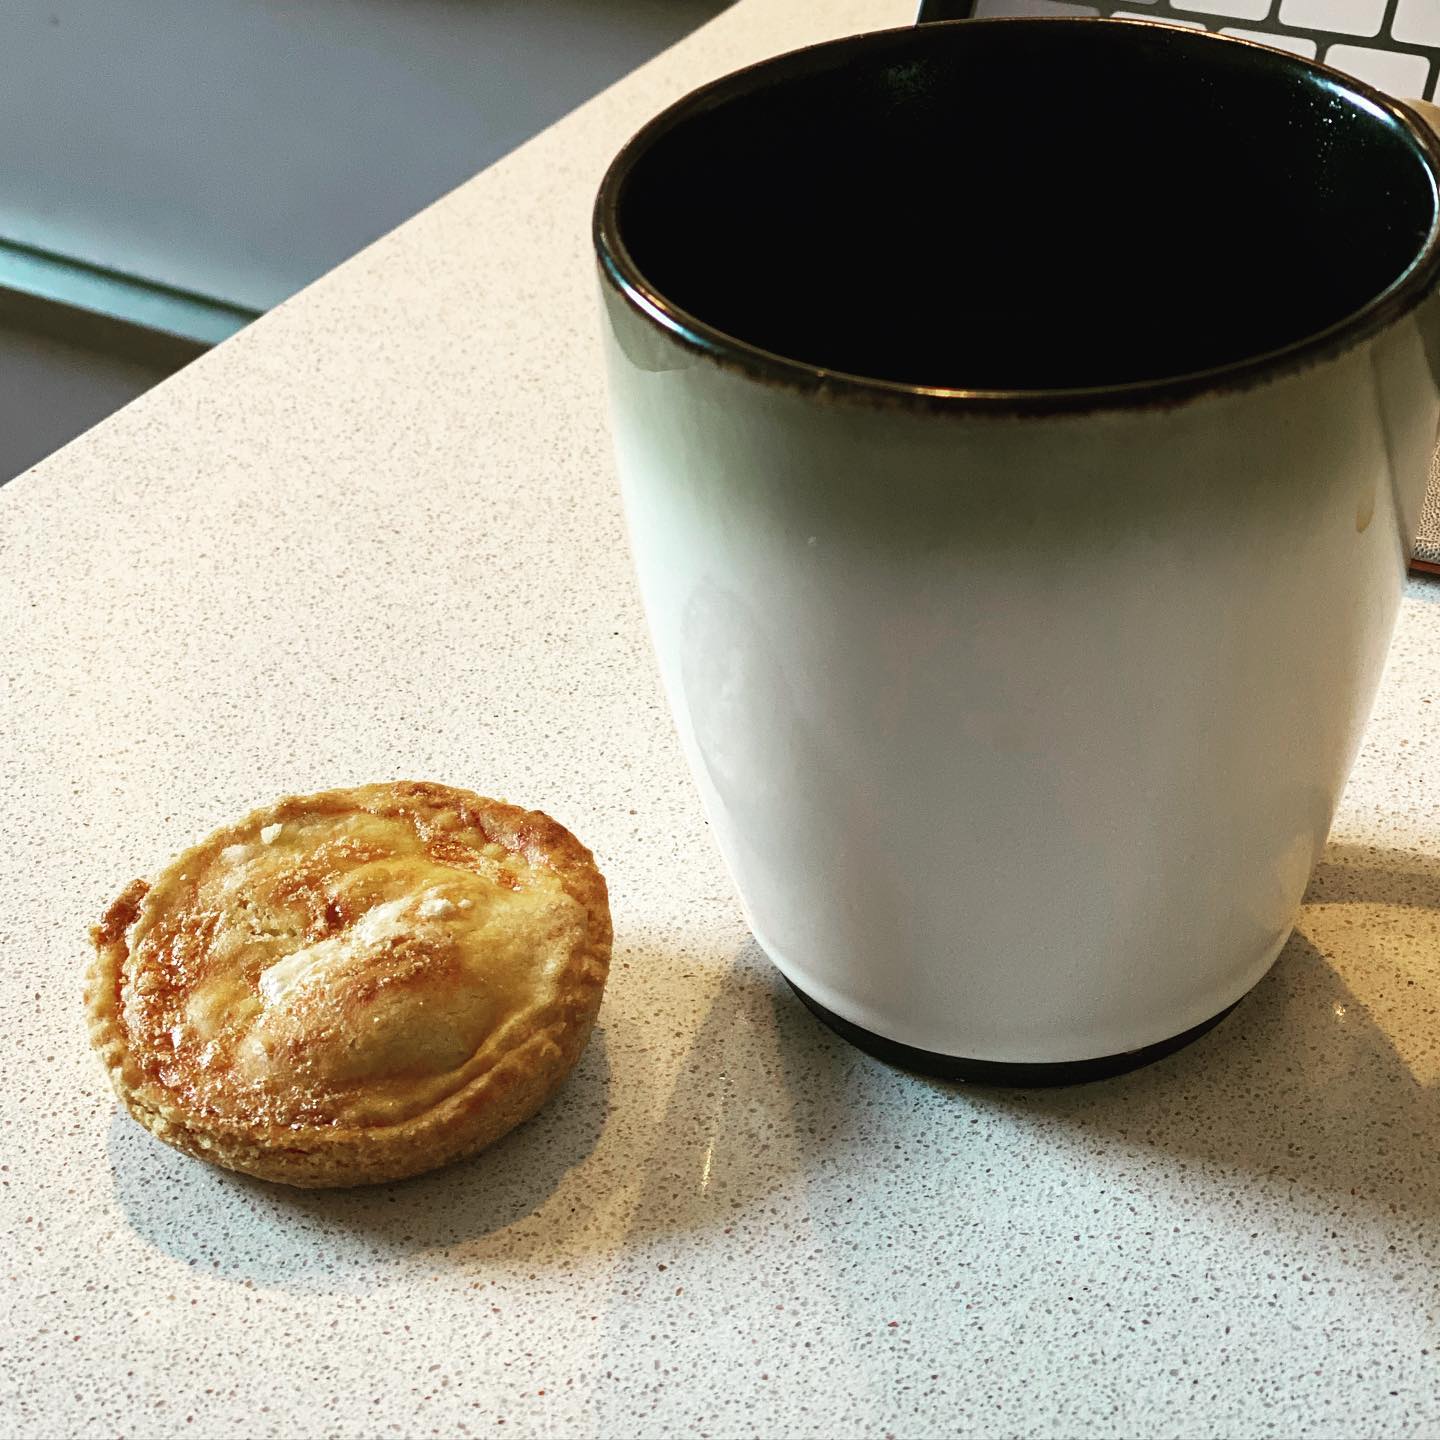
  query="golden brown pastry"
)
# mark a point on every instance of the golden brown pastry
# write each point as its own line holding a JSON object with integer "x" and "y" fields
{"x": 353, "y": 986}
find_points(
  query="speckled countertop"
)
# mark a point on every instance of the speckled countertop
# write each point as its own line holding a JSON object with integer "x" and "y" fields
{"x": 377, "y": 535}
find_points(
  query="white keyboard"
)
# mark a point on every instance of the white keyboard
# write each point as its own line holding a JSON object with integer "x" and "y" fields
{"x": 1394, "y": 44}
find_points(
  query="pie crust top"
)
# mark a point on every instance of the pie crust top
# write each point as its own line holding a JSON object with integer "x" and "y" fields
{"x": 363, "y": 961}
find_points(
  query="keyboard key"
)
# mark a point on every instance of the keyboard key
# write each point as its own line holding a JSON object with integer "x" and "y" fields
{"x": 1340, "y": 17}
{"x": 1295, "y": 44}
{"x": 1234, "y": 9}
{"x": 1417, "y": 21}
{"x": 1158, "y": 19}
{"x": 1390, "y": 70}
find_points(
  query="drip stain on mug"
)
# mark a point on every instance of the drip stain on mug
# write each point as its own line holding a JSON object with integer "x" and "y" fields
{"x": 1366, "y": 513}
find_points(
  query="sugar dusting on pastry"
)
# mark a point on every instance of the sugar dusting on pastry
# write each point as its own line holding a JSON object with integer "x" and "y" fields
{"x": 312, "y": 963}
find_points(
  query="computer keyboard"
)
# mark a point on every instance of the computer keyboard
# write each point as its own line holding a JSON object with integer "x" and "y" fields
{"x": 1394, "y": 44}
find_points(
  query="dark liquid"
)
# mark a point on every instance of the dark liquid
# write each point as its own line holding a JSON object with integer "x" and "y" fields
{"x": 1029, "y": 206}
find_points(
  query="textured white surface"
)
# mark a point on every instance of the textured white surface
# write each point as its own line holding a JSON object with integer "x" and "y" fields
{"x": 377, "y": 535}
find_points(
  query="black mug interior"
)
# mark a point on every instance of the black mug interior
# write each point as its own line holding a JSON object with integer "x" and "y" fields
{"x": 1022, "y": 205}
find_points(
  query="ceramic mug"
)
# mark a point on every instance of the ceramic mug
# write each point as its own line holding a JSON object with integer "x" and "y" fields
{"x": 1021, "y": 426}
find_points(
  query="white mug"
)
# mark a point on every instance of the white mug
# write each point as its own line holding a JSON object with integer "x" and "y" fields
{"x": 1020, "y": 493}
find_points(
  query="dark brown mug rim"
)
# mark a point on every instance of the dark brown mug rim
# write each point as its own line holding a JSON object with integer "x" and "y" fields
{"x": 618, "y": 267}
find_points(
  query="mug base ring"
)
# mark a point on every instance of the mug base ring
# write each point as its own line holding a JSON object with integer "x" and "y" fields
{"x": 1003, "y": 1072}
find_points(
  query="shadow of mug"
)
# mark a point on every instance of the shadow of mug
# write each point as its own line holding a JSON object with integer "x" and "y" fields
{"x": 762, "y": 1096}
{"x": 1302, "y": 1085}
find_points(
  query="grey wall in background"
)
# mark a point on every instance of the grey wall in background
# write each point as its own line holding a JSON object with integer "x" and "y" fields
{"x": 239, "y": 148}
{"x": 50, "y": 391}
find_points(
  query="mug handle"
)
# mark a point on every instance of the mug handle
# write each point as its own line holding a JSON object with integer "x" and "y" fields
{"x": 1428, "y": 541}
{"x": 1429, "y": 113}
